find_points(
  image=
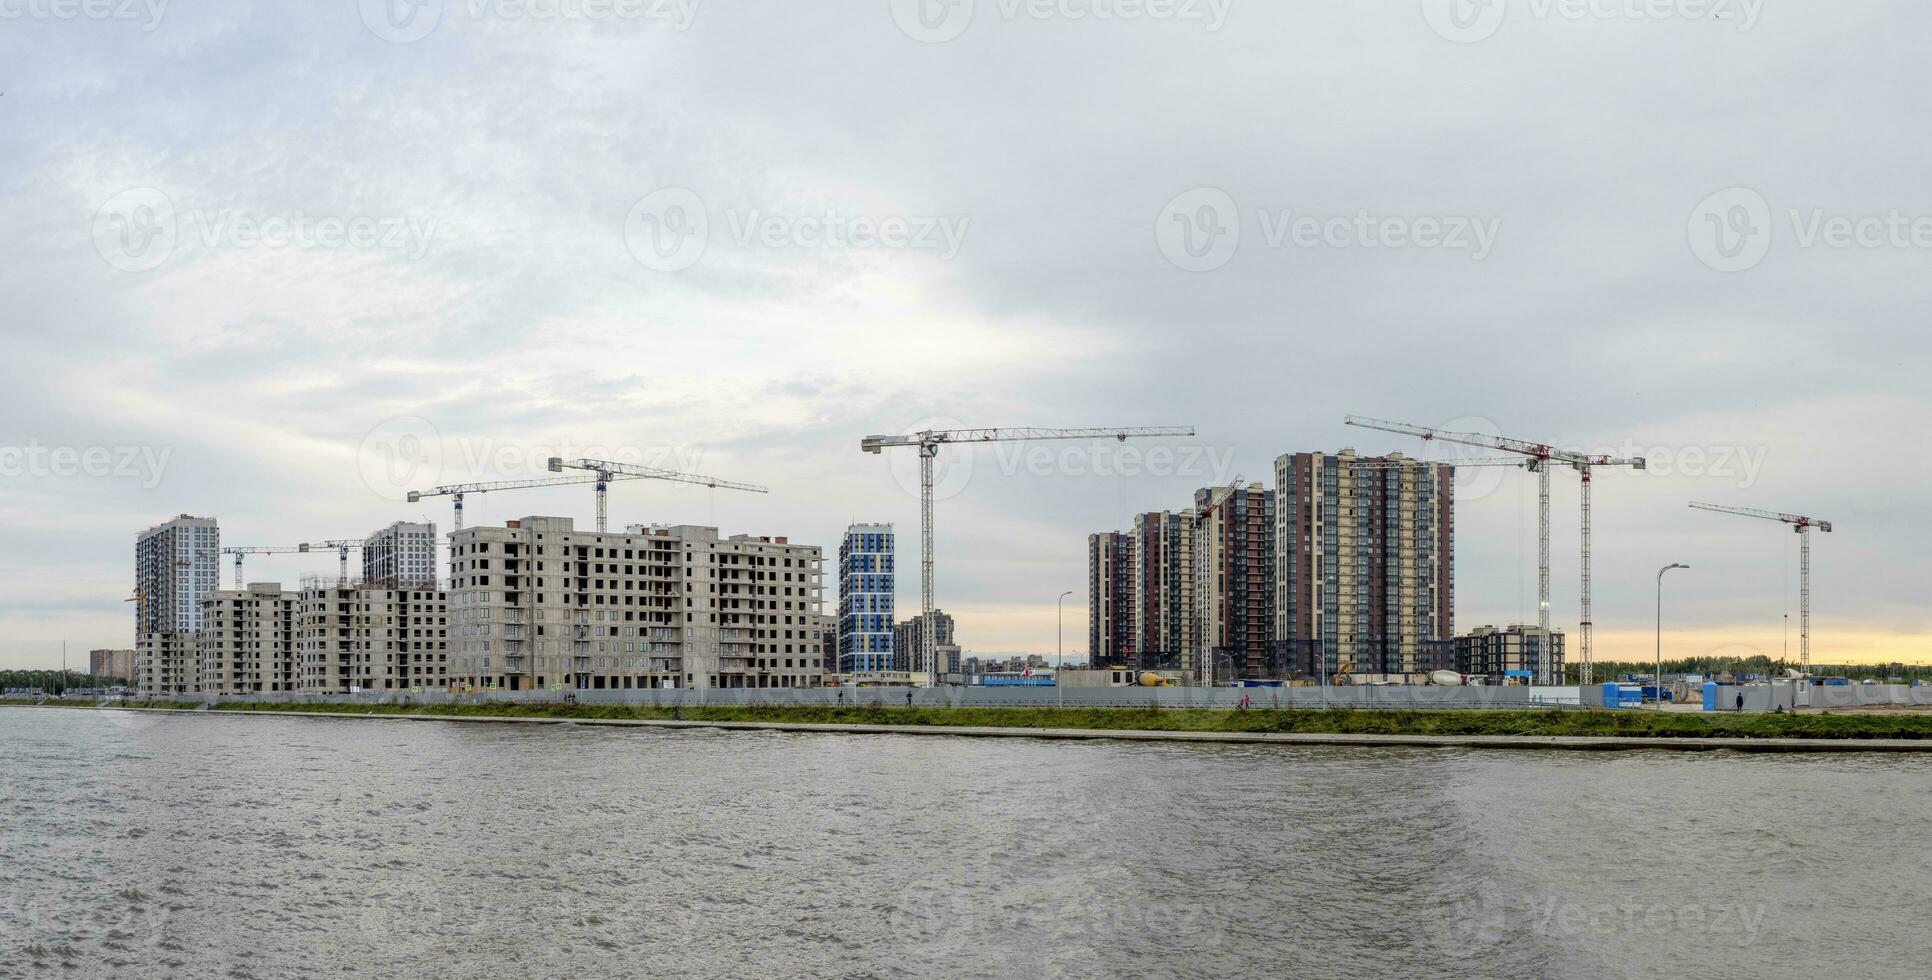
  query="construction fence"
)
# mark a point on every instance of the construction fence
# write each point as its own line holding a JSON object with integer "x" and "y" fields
{"x": 1365, "y": 697}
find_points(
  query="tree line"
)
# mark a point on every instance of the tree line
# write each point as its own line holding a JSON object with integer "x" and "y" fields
{"x": 54, "y": 681}
{"x": 1607, "y": 670}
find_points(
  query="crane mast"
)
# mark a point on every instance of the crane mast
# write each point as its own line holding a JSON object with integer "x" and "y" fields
{"x": 927, "y": 443}
{"x": 1541, "y": 455}
{"x": 1802, "y": 526}
{"x": 343, "y": 546}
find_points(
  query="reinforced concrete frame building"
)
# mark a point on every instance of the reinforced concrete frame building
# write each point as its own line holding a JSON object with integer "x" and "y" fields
{"x": 538, "y": 604}
{"x": 353, "y": 637}
{"x": 246, "y": 644}
{"x": 1488, "y": 651}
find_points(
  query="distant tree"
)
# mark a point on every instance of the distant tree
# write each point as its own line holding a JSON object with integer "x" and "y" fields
{"x": 53, "y": 681}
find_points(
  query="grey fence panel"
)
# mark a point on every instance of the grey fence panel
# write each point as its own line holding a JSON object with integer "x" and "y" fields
{"x": 1363, "y": 698}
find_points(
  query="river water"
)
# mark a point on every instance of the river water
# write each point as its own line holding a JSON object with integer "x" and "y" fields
{"x": 146, "y": 845}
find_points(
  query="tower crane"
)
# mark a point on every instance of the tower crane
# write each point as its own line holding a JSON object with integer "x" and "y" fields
{"x": 1541, "y": 456}
{"x": 928, "y": 443}
{"x": 1396, "y": 464}
{"x": 1802, "y": 527}
{"x": 456, "y": 491}
{"x": 140, "y": 600}
{"x": 343, "y": 547}
{"x": 239, "y": 553}
{"x": 607, "y": 471}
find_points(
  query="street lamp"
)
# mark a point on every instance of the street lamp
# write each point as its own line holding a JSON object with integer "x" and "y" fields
{"x": 1660, "y": 630}
{"x": 1059, "y": 647}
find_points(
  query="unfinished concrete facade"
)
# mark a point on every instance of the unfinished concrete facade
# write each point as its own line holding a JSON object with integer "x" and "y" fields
{"x": 351, "y": 637}
{"x": 247, "y": 640}
{"x": 537, "y": 604}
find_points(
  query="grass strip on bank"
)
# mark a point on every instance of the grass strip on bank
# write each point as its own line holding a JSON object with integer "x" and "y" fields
{"x": 1330, "y": 721}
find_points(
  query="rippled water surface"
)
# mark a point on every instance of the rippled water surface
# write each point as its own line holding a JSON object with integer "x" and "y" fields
{"x": 206, "y": 846}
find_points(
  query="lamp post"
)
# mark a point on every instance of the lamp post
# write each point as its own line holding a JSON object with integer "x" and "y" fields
{"x": 1660, "y": 630}
{"x": 1059, "y": 647}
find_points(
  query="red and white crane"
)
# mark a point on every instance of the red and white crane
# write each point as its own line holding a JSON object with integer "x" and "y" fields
{"x": 1540, "y": 457}
{"x": 1802, "y": 527}
{"x": 928, "y": 443}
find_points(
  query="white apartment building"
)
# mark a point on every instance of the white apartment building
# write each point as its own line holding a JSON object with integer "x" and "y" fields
{"x": 247, "y": 640}
{"x": 175, "y": 565}
{"x": 538, "y": 604}
{"x": 353, "y": 637}
{"x": 400, "y": 555}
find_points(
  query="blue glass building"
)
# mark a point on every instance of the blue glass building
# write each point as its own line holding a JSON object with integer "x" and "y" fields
{"x": 865, "y": 599}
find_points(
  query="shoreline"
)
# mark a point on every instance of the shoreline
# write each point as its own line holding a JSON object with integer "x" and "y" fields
{"x": 1570, "y": 743}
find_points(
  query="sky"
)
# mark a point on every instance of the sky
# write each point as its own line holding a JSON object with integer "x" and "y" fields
{"x": 281, "y": 263}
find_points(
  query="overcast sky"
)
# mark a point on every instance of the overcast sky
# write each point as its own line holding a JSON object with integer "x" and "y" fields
{"x": 279, "y": 263}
